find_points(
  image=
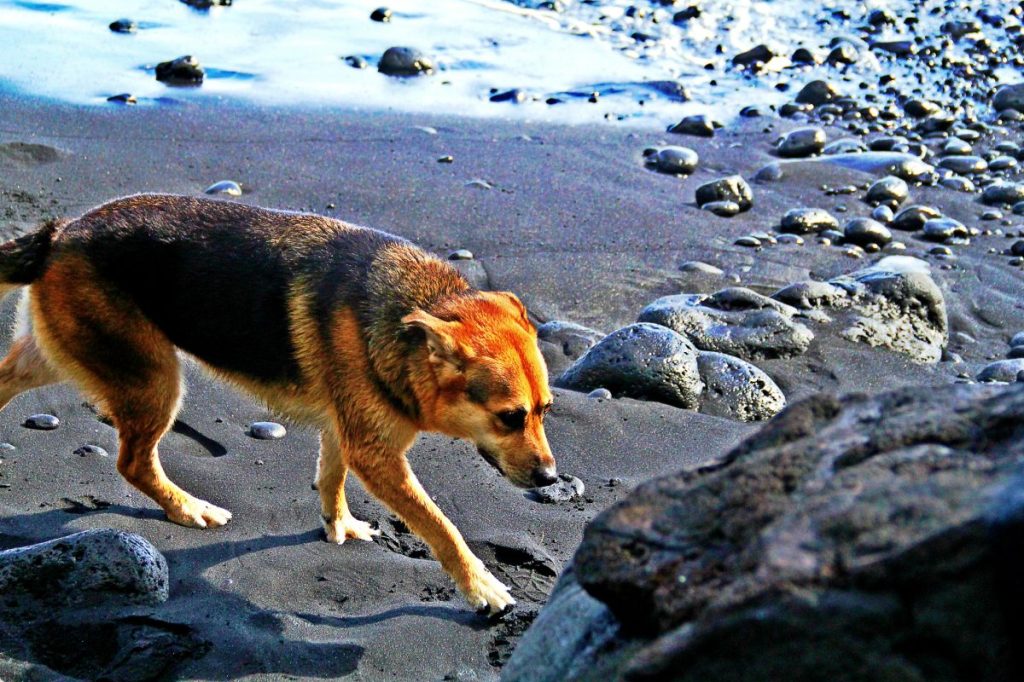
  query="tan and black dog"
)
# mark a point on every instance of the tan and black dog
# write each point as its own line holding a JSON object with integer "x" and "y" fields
{"x": 354, "y": 331}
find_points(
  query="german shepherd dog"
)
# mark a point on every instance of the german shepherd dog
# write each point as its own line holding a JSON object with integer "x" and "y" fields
{"x": 354, "y": 331}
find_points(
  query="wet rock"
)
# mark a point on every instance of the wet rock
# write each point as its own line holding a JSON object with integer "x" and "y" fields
{"x": 770, "y": 173}
{"x": 356, "y": 62}
{"x": 516, "y": 96}
{"x": 735, "y": 321}
{"x": 842, "y": 54}
{"x": 913, "y": 170}
{"x": 568, "y": 489}
{"x": 1003, "y": 163}
{"x": 185, "y": 70}
{"x": 759, "y": 55}
{"x": 226, "y": 187}
{"x": 123, "y": 98}
{"x": 124, "y": 26}
{"x": 912, "y": 218}
{"x": 802, "y": 55}
{"x": 900, "y": 48}
{"x": 600, "y": 394}
{"x": 957, "y": 147}
{"x": 815, "y": 535}
{"x": 1017, "y": 340}
{"x": 404, "y": 61}
{"x": 572, "y": 339}
{"x": 958, "y": 184}
{"x": 944, "y": 230}
{"x": 644, "y": 361}
{"x": 748, "y": 241}
{"x": 964, "y": 165}
{"x": 737, "y": 389}
{"x": 731, "y": 188}
{"x": 920, "y": 108}
{"x": 808, "y": 220}
{"x": 816, "y": 93}
{"x": 92, "y": 568}
{"x": 864, "y": 231}
{"x": 1009, "y": 97}
{"x": 674, "y": 160}
{"x": 888, "y": 191}
{"x": 698, "y": 125}
{"x": 460, "y": 254}
{"x": 381, "y": 14}
{"x": 41, "y": 422}
{"x": 802, "y": 142}
{"x": 1003, "y": 193}
{"x": 882, "y": 214}
{"x": 701, "y": 267}
{"x": 267, "y": 431}
{"x": 724, "y": 209}
{"x": 1001, "y": 370}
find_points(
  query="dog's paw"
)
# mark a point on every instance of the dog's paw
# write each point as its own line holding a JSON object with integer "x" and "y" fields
{"x": 348, "y": 527}
{"x": 487, "y": 594}
{"x": 197, "y": 513}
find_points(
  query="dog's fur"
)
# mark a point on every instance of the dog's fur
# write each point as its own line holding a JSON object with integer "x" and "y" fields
{"x": 354, "y": 331}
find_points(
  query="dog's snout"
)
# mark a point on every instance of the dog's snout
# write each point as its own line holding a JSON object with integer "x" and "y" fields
{"x": 543, "y": 476}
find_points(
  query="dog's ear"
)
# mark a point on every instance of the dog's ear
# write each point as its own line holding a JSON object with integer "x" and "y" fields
{"x": 440, "y": 337}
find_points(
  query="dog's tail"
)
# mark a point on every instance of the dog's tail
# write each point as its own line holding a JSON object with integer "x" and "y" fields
{"x": 23, "y": 260}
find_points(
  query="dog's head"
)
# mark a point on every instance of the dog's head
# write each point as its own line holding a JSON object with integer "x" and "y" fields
{"x": 487, "y": 382}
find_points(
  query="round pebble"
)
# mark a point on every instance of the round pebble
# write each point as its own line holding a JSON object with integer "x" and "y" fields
{"x": 912, "y": 218}
{"x": 675, "y": 160}
{"x": 802, "y": 142}
{"x": 267, "y": 430}
{"x": 699, "y": 125}
{"x": 944, "y": 229}
{"x": 888, "y": 191}
{"x": 91, "y": 451}
{"x": 381, "y": 14}
{"x": 724, "y": 208}
{"x": 1017, "y": 340}
{"x": 600, "y": 394}
{"x": 226, "y": 187}
{"x": 42, "y": 422}
{"x": 460, "y": 254}
{"x": 404, "y": 61}
{"x": 807, "y": 220}
{"x": 864, "y": 231}
{"x": 124, "y": 26}
{"x": 748, "y": 241}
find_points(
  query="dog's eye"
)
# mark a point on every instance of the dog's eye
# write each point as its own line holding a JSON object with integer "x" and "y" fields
{"x": 513, "y": 419}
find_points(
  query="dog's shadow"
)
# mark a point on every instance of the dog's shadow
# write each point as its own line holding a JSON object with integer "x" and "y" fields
{"x": 256, "y": 634}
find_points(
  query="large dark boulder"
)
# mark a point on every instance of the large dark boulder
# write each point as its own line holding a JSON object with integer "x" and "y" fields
{"x": 854, "y": 538}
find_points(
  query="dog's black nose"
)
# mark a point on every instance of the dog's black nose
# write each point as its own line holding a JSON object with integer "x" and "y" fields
{"x": 543, "y": 476}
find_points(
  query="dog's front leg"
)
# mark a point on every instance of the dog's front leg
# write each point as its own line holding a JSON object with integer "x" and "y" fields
{"x": 331, "y": 471}
{"x": 389, "y": 478}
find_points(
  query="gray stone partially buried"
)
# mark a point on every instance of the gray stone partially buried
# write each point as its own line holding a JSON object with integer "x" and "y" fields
{"x": 737, "y": 389}
{"x": 644, "y": 361}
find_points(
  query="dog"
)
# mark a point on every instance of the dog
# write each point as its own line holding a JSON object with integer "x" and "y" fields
{"x": 353, "y": 331}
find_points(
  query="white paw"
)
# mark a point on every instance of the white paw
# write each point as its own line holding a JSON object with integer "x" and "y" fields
{"x": 487, "y": 593}
{"x": 346, "y": 527}
{"x": 197, "y": 513}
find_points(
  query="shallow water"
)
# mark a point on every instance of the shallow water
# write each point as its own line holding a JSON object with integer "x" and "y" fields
{"x": 292, "y": 53}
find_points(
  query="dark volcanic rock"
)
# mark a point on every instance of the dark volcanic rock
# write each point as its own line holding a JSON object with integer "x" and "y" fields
{"x": 674, "y": 160}
{"x": 41, "y": 422}
{"x": 1003, "y": 193}
{"x": 888, "y": 191}
{"x": 645, "y": 361}
{"x": 698, "y": 125}
{"x": 737, "y": 389}
{"x": 95, "y": 567}
{"x": 944, "y": 229}
{"x": 761, "y": 54}
{"x": 856, "y": 538}
{"x": 807, "y": 220}
{"x": 817, "y": 93}
{"x": 735, "y": 321}
{"x": 864, "y": 231}
{"x": 404, "y": 61}
{"x": 802, "y": 142}
{"x": 964, "y": 165}
{"x": 913, "y": 218}
{"x": 1009, "y": 97}
{"x": 124, "y": 26}
{"x": 724, "y": 209}
{"x": 732, "y": 188}
{"x": 184, "y": 70}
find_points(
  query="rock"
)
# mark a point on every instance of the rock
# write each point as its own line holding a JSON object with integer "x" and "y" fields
{"x": 516, "y": 96}
{"x": 731, "y": 188}
{"x": 404, "y": 61}
{"x": 802, "y": 55}
{"x": 91, "y": 451}
{"x": 699, "y": 125}
{"x": 701, "y": 267}
{"x": 913, "y": 170}
{"x": 802, "y": 142}
{"x": 817, "y": 93}
{"x": 267, "y": 431}
{"x": 123, "y": 98}
{"x": 356, "y": 62}
{"x": 381, "y": 14}
{"x": 756, "y": 56}
{"x": 1017, "y": 340}
{"x": 847, "y": 145}
{"x": 725, "y": 209}
{"x": 737, "y": 389}
{"x": 808, "y": 220}
{"x": 568, "y": 489}
{"x": 460, "y": 254}
{"x": 184, "y": 70}
{"x": 882, "y": 213}
{"x": 600, "y": 394}
{"x": 735, "y": 321}
{"x": 944, "y": 230}
{"x": 1003, "y": 163}
{"x": 644, "y": 361}
{"x": 853, "y": 524}
{"x": 864, "y": 231}
{"x": 841, "y": 54}
{"x": 1009, "y": 97}
{"x": 96, "y": 567}
{"x": 888, "y": 191}
{"x": 964, "y": 165}
{"x": 748, "y": 241}
{"x": 675, "y": 160}
{"x": 912, "y": 218}
{"x": 956, "y": 147}
{"x": 573, "y": 339}
{"x": 811, "y": 295}
{"x": 41, "y": 422}
{"x": 226, "y": 187}
{"x": 124, "y": 26}
{"x": 1001, "y": 370}
{"x": 1003, "y": 193}
{"x": 920, "y": 108}
{"x": 770, "y": 173}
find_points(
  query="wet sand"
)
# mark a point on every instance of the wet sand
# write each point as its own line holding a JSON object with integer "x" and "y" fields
{"x": 573, "y": 223}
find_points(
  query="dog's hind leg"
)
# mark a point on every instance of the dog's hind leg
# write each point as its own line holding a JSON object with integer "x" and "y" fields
{"x": 117, "y": 356}
{"x": 23, "y": 369}
{"x": 387, "y": 475}
{"x": 331, "y": 471}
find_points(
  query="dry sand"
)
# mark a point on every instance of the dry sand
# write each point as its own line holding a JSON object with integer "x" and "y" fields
{"x": 572, "y": 222}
